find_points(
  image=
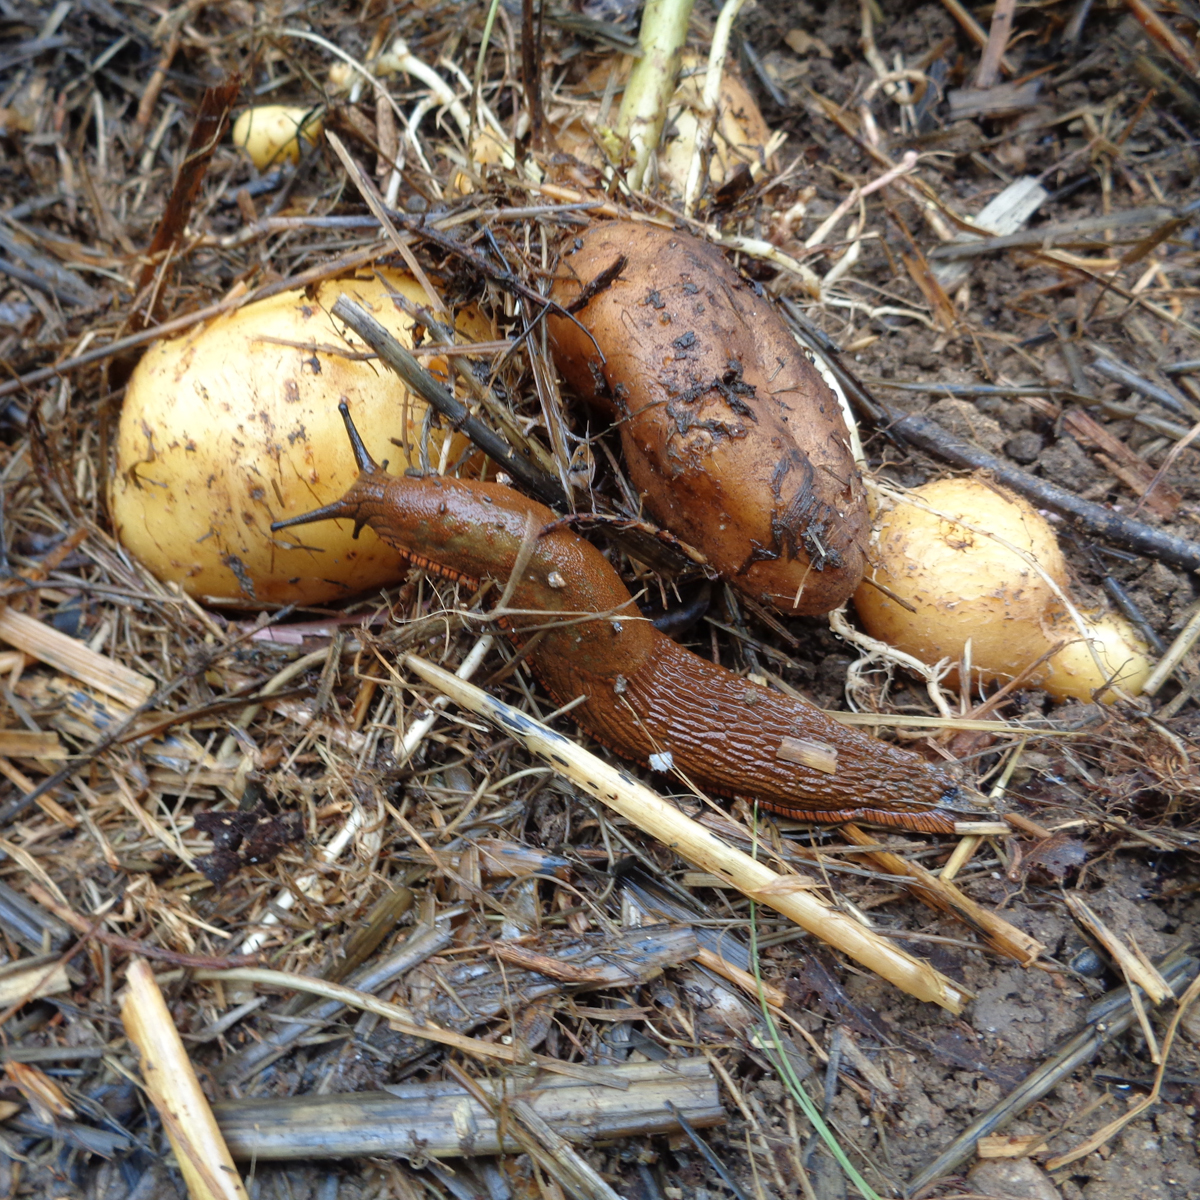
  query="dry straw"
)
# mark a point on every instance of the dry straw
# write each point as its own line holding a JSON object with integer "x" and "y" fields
{"x": 175, "y": 1092}
{"x": 703, "y": 849}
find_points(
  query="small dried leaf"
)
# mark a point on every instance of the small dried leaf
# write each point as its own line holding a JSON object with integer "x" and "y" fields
{"x": 40, "y": 1090}
{"x": 1056, "y": 856}
{"x": 801, "y": 42}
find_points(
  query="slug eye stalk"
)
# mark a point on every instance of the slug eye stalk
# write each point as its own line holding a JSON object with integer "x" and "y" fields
{"x": 350, "y": 506}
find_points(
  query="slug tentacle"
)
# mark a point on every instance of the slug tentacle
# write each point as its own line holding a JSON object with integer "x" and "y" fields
{"x": 362, "y": 456}
{"x": 645, "y": 697}
{"x": 365, "y": 493}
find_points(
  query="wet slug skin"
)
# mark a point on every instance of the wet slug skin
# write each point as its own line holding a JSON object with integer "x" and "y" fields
{"x": 733, "y": 439}
{"x": 646, "y": 698}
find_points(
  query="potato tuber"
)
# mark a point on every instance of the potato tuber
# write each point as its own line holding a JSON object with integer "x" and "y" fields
{"x": 967, "y": 570}
{"x": 273, "y": 134}
{"x": 236, "y": 425}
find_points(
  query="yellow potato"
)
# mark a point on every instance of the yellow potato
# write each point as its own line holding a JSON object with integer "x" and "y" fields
{"x": 272, "y": 134}
{"x": 740, "y": 137}
{"x": 1072, "y": 671}
{"x": 236, "y": 425}
{"x": 967, "y": 585}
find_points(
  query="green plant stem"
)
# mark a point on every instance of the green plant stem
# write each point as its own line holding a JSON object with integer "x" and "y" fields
{"x": 784, "y": 1067}
{"x": 652, "y": 82}
{"x": 477, "y": 82}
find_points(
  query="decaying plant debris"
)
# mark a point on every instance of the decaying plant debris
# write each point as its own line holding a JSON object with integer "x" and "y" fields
{"x": 304, "y": 882}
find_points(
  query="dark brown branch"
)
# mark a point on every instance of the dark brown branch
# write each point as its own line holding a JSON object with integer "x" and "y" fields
{"x": 928, "y": 435}
{"x": 428, "y": 388}
{"x": 531, "y": 74}
{"x": 924, "y": 433}
{"x": 210, "y": 124}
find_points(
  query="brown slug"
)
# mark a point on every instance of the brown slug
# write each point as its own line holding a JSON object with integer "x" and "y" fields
{"x": 647, "y": 698}
{"x": 730, "y": 435}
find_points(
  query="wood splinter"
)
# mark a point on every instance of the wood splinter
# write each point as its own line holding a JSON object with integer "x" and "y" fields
{"x": 174, "y": 1090}
{"x": 818, "y": 755}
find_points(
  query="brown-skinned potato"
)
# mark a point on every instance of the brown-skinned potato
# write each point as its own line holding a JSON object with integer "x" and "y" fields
{"x": 730, "y": 435}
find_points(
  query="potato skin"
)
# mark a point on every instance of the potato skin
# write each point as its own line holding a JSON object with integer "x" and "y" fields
{"x": 235, "y": 425}
{"x": 948, "y": 585}
{"x": 733, "y": 439}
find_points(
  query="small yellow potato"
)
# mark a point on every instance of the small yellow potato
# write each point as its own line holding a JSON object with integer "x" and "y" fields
{"x": 342, "y": 76}
{"x": 273, "y": 134}
{"x": 1072, "y": 671}
{"x": 740, "y": 138}
{"x": 965, "y": 568}
{"x": 236, "y": 425}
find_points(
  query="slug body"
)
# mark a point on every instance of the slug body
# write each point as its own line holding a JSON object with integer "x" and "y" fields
{"x": 646, "y": 698}
{"x": 733, "y": 439}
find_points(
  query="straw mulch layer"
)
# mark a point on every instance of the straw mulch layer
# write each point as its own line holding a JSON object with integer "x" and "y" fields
{"x": 253, "y": 859}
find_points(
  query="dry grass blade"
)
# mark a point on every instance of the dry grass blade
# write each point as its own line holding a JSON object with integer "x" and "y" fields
{"x": 31, "y": 978}
{"x": 73, "y": 658}
{"x": 941, "y": 894}
{"x": 27, "y": 743}
{"x": 997, "y": 42}
{"x": 40, "y": 1090}
{"x": 175, "y": 1091}
{"x": 401, "y": 1019}
{"x": 1139, "y": 972}
{"x": 1134, "y": 966}
{"x": 1110, "y": 1131}
{"x": 648, "y": 811}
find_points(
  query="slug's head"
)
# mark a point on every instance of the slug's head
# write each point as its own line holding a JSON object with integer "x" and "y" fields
{"x": 366, "y": 493}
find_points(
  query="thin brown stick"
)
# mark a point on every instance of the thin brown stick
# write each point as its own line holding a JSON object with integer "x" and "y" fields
{"x": 1149, "y": 19}
{"x": 91, "y": 931}
{"x": 926, "y": 434}
{"x": 993, "y": 50}
{"x": 457, "y": 413}
{"x": 210, "y": 124}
